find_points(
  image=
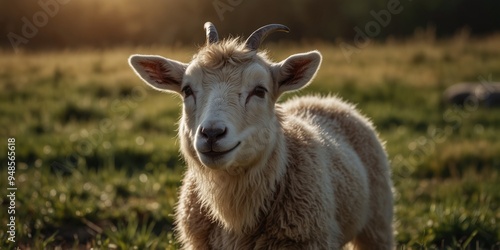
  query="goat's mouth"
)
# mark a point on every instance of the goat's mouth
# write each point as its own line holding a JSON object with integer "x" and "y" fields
{"x": 215, "y": 154}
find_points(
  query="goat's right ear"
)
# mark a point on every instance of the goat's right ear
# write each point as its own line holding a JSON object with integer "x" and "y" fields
{"x": 158, "y": 72}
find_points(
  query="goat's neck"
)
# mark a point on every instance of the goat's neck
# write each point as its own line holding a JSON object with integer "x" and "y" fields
{"x": 239, "y": 201}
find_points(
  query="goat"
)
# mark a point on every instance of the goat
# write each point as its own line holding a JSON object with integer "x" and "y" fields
{"x": 309, "y": 173}
{"x": 473, "y": 94}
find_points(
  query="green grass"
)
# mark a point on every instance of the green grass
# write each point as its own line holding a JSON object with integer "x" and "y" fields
{"x": 98, "y": 162}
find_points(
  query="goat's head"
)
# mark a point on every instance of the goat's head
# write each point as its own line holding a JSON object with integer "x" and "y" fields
{"x": 229, "y": 92}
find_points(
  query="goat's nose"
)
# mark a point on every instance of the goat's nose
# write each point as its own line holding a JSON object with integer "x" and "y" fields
{"x": 213, "y": 133}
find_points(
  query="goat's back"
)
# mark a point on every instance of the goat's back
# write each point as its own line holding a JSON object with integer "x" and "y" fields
{"x": 349, "y": 156}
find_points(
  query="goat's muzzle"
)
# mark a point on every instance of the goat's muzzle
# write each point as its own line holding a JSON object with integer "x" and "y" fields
{"x": 212, "y": 143}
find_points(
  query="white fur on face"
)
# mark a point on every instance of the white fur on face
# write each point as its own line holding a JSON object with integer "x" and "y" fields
{"x": 225, "y": 99}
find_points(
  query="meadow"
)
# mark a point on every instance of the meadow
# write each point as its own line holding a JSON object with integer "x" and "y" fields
{"x": 98, "y": 163}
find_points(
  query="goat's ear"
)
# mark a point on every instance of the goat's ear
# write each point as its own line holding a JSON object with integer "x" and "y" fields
{"x": 158, "y": 72}
{"x": 296, "y": 71}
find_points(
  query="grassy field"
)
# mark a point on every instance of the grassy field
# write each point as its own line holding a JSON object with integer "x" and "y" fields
{"x": 98, "y": 163}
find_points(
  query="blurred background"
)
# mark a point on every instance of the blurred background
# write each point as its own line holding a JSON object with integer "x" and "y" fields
{"x": 110, "y": 23}
{"x": 96, "y": 153}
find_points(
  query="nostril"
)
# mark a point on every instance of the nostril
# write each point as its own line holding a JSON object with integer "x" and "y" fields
{"x": 213, "y": 133}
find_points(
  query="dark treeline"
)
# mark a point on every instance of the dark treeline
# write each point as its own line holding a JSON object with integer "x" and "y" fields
{"x": 31, "y": 24}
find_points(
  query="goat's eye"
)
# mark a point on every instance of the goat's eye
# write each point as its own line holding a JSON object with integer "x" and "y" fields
{"x": 187, "y": 91}
{"x": 259, "y": 91}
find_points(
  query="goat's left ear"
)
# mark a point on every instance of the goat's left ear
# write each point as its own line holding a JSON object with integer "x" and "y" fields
{"x": 296, "y": 71}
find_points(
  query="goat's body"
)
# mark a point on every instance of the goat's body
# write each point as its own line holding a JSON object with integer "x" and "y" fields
{"x": 308, "y": 174}
{"x": 486, "y": 94}
{"x": 327, "y": 182}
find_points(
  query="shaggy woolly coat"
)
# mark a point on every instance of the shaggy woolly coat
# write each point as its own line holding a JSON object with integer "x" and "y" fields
{"x": 331, "y": 184}
{"x": 319, "y": 180}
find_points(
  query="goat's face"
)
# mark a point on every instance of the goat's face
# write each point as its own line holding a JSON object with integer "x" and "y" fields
{"x": 229, "y": 120}
{"x": 227, "y": 112}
